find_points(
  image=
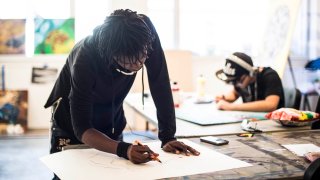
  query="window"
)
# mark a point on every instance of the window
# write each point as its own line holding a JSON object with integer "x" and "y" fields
{"x": 162, "y": 14}
{"x": 89, "y": 14}
{"x": 205, "y": 27}
{"x": 215, "y": 27}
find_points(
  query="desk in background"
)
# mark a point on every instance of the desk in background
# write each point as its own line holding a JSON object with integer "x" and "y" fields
{"x": 187, "y": 129}
{"x": 264, "y": 151}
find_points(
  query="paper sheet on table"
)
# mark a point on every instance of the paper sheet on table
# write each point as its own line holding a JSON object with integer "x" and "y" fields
{"x": 301, "y": 149}
{"x": 93, "y": 164}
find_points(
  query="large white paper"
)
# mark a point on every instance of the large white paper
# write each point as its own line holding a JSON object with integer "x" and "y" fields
{"x": 93, "y": 164}
{"x": 301, "y": 149}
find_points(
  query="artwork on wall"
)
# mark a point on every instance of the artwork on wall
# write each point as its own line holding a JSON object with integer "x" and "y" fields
{"x": 54, "y": 36}
{"x": 275, "y": 44}
{"x": 12, "y": 36}
{"x": 42, "y": 75}
{"x": 13, "y": 111}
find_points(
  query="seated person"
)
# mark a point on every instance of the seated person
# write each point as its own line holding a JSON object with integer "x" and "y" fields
{"x": 259, "y": 87}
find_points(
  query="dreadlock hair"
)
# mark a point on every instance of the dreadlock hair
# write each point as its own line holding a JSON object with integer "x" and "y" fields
{"x": 123, "y": 34}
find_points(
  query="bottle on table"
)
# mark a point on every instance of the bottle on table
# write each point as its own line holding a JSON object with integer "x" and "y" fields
{"x": 176, "y": 94}
{"x": 201, "y": 86}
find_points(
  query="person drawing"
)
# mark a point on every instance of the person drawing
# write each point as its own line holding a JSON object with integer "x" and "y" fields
{"x": 259, "y": 87}
{"x": 87, "y": 98}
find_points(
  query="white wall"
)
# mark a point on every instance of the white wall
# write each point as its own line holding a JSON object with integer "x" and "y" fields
{"x": 18, "y": 76}
{"x": 18, "y": 71}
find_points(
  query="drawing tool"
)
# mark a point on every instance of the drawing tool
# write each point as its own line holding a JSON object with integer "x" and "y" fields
{"x": 246, "y": 135}
{"x": 153, "y": 157}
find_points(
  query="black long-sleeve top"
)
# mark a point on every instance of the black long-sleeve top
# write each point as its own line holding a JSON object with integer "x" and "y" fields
{"x": 93, "y": 94}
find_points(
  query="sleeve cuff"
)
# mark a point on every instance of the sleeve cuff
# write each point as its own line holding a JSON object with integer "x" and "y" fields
{"x": 164, "y": 142}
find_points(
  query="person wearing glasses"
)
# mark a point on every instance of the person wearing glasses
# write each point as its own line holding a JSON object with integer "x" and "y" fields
{"x": 87, "y": 98}
{"x": 259, "y": 87}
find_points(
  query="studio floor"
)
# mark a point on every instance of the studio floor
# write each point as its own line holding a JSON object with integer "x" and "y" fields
{"x": 20, "y": 155}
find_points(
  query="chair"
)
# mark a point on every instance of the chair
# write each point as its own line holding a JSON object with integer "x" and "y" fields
{"x": 317, "y": 110}
{"x": 316, "y": 124}
{"x": 292, "y": 98}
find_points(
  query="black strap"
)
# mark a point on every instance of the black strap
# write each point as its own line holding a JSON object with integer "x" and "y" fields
{"x": 122, "y": 149}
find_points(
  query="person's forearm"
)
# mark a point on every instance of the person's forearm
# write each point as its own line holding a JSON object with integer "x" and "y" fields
{"x": 230, "y": 96}
{"x": 261, "y": 106}
{"x": 97, "y": 140}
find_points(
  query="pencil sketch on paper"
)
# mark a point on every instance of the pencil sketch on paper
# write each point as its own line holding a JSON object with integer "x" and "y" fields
{"x": 106, "y": 161}
{"x": 78, "y": 162}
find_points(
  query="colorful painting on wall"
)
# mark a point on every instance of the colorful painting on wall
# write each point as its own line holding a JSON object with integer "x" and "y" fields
{"x": 12, "y": 36}
{"x": 13, "y": 111}
{"x": 54, "y": 36}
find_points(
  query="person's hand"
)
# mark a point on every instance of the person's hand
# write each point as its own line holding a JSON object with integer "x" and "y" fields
{"x": 224, "y": 105}
{"x": 311, "y": 156}
{"x": 219, "y": 97}
{"x": 178, "y": 147}
{"x": 138, "y": 154}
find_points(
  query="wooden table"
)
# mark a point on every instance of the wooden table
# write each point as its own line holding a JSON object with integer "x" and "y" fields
{"x": 270, "y": 160}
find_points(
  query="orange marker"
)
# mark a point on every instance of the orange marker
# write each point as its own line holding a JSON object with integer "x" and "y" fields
{"x": 153, "y": 157}
{"x": 246, "y": 135}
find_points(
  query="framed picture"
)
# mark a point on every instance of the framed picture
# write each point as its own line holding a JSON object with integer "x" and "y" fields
{"x": 13, "y": 111}
{"x": 12, "y": 36}
{"x": 54, "y": 36}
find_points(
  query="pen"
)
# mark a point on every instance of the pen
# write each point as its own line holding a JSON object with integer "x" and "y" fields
{"x": 154, "y": 158}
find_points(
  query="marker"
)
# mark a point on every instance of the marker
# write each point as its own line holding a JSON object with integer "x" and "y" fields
{"x": 155, "y": 158}
{"x": 246, "y": 135}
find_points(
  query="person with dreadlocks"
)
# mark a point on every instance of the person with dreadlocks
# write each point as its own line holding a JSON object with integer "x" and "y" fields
{"x": 87, "y": 98}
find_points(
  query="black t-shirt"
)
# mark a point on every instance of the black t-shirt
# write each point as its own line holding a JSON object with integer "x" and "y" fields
{"x": 268, "y": 83}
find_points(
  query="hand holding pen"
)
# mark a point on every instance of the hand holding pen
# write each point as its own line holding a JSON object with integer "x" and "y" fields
{"x": 139, "y": 153}
{"x": 153, "y": 155}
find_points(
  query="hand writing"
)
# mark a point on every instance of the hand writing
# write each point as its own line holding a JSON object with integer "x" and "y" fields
{"x": 224, "y": 105}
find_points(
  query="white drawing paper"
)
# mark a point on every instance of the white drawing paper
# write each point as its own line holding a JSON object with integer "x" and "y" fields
{"x": 93, "y": 164}
{"x": 301, "y": 149}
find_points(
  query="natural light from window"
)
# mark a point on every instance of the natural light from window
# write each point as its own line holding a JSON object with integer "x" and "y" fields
{"x": 215, "y": 27}
{"x": 205, "y": 27}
